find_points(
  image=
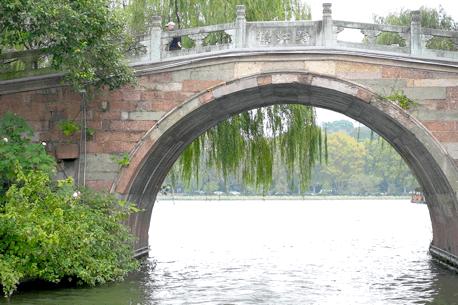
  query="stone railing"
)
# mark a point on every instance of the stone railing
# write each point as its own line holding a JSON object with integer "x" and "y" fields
{"x": 303, "y": 35}
{"x": 243, "y": 36}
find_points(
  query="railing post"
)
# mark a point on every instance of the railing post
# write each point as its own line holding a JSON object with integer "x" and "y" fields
{"x": 155, "y": 39}
{"x": 327, "y": 35}
{"x": 240, "y": 27}
{"x": 415, "y": 34}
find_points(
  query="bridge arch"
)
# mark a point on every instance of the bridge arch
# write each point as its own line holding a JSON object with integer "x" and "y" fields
{"x": 153, "y": 156}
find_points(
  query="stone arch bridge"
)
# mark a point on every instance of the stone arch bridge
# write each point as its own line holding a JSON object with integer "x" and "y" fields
{"x": 180, "y": 94}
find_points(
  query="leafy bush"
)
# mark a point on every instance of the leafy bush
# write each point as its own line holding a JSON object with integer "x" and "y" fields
{"x": 69, "y": 128}
{"x": 122, "y": 160}
{"x": 16, "y": 146}
{"x": 48, "y": 229}
{"x": 403, "y": 101}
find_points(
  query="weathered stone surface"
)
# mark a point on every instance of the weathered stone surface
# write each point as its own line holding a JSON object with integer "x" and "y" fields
{"x": 67, "y": 151}
{"x": 426, "y": 93}
{"x": 354, "y": 70}
{"x": 199, "y": 85}
{"x": 243, "y": 69}
{"x": 321, "y": 67}
{"x": 441, "y": 82}
{"x": 452, "y": 149}
{"x": 101, "y": 163}
{"x": 384, "y": 87}
{"x": 99, "y": 185}
{"x": 143, "y": 115}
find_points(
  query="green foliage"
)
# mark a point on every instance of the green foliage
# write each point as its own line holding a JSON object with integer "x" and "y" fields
{"x": 430, "y": 18}
{"x": 248, "y": 145}
{"x": 69, "y": 128}
{"x": 90, "y": 132}
{"x": 123, "y": 160}
{"x": 16, "y": 148}
{"x": 204, "y": 12}
{"x": 87, "y": 39}
{"x": 403, "y": 101}
{"x": 347, "y": 159}
{"x": 49, "y": 231}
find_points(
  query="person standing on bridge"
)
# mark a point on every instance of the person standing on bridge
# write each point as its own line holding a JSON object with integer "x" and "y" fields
{"x": 175, "y": 44}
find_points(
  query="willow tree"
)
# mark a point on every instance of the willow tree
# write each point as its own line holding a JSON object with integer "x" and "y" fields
{"x": 246, "y": 144}
{"x": 429, "y": 18}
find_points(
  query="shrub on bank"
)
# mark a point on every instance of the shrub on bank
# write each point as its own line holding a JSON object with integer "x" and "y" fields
{"x": 51, "y": 231}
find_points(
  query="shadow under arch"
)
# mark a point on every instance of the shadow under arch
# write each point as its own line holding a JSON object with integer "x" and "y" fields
{"x": 161, "y": 146}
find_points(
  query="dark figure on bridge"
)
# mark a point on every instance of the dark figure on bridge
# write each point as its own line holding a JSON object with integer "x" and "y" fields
{"x": 175, "y": 44}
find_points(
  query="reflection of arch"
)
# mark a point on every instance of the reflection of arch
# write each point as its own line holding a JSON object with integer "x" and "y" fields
{"x": 160, "y": 147}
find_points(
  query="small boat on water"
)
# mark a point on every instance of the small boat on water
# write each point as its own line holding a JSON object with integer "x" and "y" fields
{"x": 418, "y": 196}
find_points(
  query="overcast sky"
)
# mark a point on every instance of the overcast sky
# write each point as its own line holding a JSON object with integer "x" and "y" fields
{"x": 364, "y": 11}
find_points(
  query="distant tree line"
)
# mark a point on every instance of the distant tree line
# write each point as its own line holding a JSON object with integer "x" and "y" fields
{"x": 359, "y": 162}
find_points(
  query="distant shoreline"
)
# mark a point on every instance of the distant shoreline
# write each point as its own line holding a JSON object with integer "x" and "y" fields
{"x": 257, "y": 197}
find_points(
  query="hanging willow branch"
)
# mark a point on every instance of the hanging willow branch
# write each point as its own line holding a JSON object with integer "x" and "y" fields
{"x": 248, "y": 143}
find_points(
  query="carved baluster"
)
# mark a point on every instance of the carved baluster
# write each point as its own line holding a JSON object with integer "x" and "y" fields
{"x": 415, "y": 33}
{"x": 370, "y": 35}
{"x": 240, "y": 27}
{"x": 327, "y": 35}
{"x": 198, "y": 39}
{"x": 336, "y": 30}
{"x": 155, "y": 48}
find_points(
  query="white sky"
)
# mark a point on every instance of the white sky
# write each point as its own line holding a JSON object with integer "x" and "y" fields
{"x": 363, "y": 11}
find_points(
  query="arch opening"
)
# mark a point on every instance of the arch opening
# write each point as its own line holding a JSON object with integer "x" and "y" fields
{"x": 162, "y": 145}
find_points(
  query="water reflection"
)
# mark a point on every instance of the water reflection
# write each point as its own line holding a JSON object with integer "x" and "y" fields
{"x": 288, "y": 252}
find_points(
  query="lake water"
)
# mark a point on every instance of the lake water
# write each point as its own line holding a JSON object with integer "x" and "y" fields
{"x": 278, "y": 252}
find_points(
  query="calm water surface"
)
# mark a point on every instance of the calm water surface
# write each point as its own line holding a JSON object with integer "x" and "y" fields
{"x": 279, "y": 252}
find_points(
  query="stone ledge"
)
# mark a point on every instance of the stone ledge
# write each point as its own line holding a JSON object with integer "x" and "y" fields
{"x": 67, "y": 151}
{"x": 445, "y": 258}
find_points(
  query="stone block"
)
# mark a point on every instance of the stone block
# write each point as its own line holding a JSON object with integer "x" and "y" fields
{"x": 264, "y": 80}
{"x": 328, "y": 83}
{"x": 452, "y": 149}
{"x": 383, "y": 87}
{"x": 131, "y": 125}
{"x": 286, "y": 78}
{"x": 145, "y": 115}
{"x": 428, "y": 115}
{"x": 440, "y": 125}
{"x": 106, "y": 176}
{"x": 101, "y": 163}
{"x": 354, "y": 70}
{"x": 224, "y": 72}
{"x": 448, "y": 82}
{"x": 426, "y": 93}
{"x": 321, "y": 67}
{"x": 199, "y": 85}
{"x": 66, "y": 151}
{"x": 402, "y": 72}
{"x": 99, "y": 185}
{"x": 243, "y": 69}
